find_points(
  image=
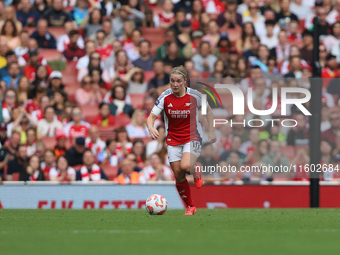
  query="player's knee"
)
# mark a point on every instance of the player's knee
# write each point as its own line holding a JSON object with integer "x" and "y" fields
{"x": 179, "y": 176}
{"x": 185, "y": 167}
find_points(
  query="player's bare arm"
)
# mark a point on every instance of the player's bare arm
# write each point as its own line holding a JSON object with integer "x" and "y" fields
{"x": 210, "y": 119}
{"x": 150, "y": 124}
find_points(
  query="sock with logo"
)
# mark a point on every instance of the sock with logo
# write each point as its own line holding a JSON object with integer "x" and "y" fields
{"x": 184, "y": 192}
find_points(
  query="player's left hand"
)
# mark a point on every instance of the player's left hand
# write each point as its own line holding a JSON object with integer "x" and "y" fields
{"x": 212, "y": 137}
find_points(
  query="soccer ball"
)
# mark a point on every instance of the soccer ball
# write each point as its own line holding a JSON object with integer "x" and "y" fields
{"x": 156, "y": 204}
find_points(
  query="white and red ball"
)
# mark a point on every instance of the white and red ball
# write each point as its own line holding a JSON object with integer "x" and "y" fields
{"x": 156, "y": 204}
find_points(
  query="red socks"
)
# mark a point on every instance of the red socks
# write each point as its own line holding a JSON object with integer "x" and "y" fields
{"x": 184, "y": 192}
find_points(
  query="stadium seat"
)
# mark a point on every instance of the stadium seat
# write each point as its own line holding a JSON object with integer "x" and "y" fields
{"x": 156, "y": 9}
{"x": 89, "y": 112}
{"x": 15, "y": 177}
{"x": 205, "y": 75}
{"x": 70, "y": 67}
{"x": 233, "y": 34}
{"x": 70, "y": 79}
{"x": 137, "y": 100}
{"x": 149, "y": 75}
{"x": 70, "y": 90}
{"x": 50, "y": 54}
{"x": 153, "y": 31}
{"x": 110, "y": 128}
{"x": 301, "y": 26}
{"x": 49, "y": 142}
{"x": 122, "y": 120}
{"x": 110, "y": 171}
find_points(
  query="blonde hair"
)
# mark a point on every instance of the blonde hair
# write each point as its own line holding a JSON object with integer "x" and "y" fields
{"x": 134, "y": 116}
{"x": 180, "y": 70}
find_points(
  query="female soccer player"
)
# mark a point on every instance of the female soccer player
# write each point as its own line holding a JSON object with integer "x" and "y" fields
{"x": 181, "y": 106}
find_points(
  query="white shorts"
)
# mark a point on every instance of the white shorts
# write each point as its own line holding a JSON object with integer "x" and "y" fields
{"x": 175, "y": 153}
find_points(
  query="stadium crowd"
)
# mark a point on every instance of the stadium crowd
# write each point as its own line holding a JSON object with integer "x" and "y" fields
{"x": 87, "y": 120}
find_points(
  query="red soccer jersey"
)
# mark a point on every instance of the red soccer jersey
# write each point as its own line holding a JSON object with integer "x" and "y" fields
{"x": 31, "y": 106}
{"x": 73, "y": 131}
{"x": 181, "y": 116}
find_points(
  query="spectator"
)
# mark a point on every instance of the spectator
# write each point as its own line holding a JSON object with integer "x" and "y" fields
{"x": 326, "y": 152}
{"x": 272, "y": 132}
{"x": 33, "y": 171}
{"x": 300, "y": 9}
{"x": 204, "y": 61}
{"x": 155, "y": 146}
{"x": 230, "y": 18}
{"x": 11, "y": 81}
{"x": 44, "y": 39}
{"x": 275, "y": 157}
{"x": 76, "y": 128}
{"x": 26, "y": 15}
{"x": 212, "y": 35}
{"x": 170, "y": 35}
{"x": 329, "y": 134}
{"x": 139, "y": 150}
{"x": 31, "y": 142}
{"x": 148, "y": 21}
{"x": 180, "y": 16}
{"x": 262, "y": 148}
{"x": 270, "y": 40}
{"x": 23, "y": 89}
{"x": 122, "y": 65}
{"x": 137, "y": 127}
{"x": 156, "y": 171}
{"x": 34, "y": 61}
{"x": 329, "y": 71}
{"x": 18, "y": 164}
{"x": 83, "y": 62}
{"x": 90, "y": 171}
{"x": 197, "y": 9}
{"x": 307, "y": 50}
{"x": 244, "y": 43}
{"x": 185, "y": 36}
{"x": 62, "y": 172}
{"x": 148, "y": 104}
{"x": 272, "y": 74}
{"x": 8, "y": 104}
{"x": 23, "y": 46}
{"x": 9, "y": 14}
{"x": 132, "y": 48}
{"x": 3, "y": 51}
{"x": 118, "y": 105}
{"x": 129, "y": 27}
{"x": 262, "y": 58}
{"x": 41, "y": 77}
{"x": 191, "y": 48}
{"x": 55, "y": 16}
{"x": 333, "y": 39}
{"x": 48, "y": 163}
{"x": 48, "y": 125}
{"x": 95, "y": 63}
{"x": 135, "y": 80}
{"x": 252, "y": 52}
{"x": 10, "y": 34}
{"x": 96, "y": 76}
{"x": 93, "y": 142}
{"x": 128, "y": 176}
{"x": 110, "y": 155}
{"x": 21, "y": 121}
{"x": 64, "y": 41}
{"x": 75, "y": 154}
{"x": 285, "y": 16}
{"x": 294, "y": 67}
{"x": 324, "y": 27}
{"x": 298, "y": 135}
{"x": 79, "y": 12}
{"x": 40, "y": 149}
{"x": 40, "y": 6}
{"x": 161, "y": 79}
{"x": 124, "y": 144}
{"x": 255, "y": 18}
{"x": 235, "y": 146}
{"x": 60, "y": 147}
{"x": 242, "y": 68}
{"x": 72, "y": 50}
{"x": 55, "y": 83}
{"x": 104, "y": 118}
{"x": 146, "y": 60}
{"x": 106, "y": 27}
{"x": 7, "y": 153}
{"x": 165, "y": 18}
{"x": 173, "y": 55}
{"x": 248, "y": 148}
{"x": 88, "y": 94}
{"x": 219, "y": 71}
{"x": 207, "y": 157}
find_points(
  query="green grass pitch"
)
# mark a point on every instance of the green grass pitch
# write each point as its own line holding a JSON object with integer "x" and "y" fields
{"x": 220, "y": 231}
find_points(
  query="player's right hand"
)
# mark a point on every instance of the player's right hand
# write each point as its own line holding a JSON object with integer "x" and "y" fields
{"x": 154, "y": 133}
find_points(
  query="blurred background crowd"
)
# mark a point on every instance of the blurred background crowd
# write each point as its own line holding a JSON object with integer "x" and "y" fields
{"x": 78, "y": 79}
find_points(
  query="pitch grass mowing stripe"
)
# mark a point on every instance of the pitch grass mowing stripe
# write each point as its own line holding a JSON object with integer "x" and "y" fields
{"x": 223, "y": 231}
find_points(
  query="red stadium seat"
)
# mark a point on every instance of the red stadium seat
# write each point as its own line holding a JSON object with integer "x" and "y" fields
{"x": 70, "y": 68}
{"x": 110, "y": 171}
{"x": 233, "y": 34}
{"x": 15, "y": 177}
{"x": 205, "y": 75}
{"x": 149, "y": 75}
{"x": 49, "y": 142}
{"x": 122, "y": 120}
{"x": 89, "y": 112}
{"x": 50, "y": 54}
{"x": 301, "y": 26}
{"x": 70, "y": 79}
{"x": 56, "y": 31}
{"x": 153, "y": 31}
{"x": 70, "y": 90}
{"x": 156, "y": 9}
{"x": 137, "y": 100}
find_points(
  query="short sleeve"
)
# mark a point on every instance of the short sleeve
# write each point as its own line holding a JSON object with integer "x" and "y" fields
{"x": 160, "y": 101}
